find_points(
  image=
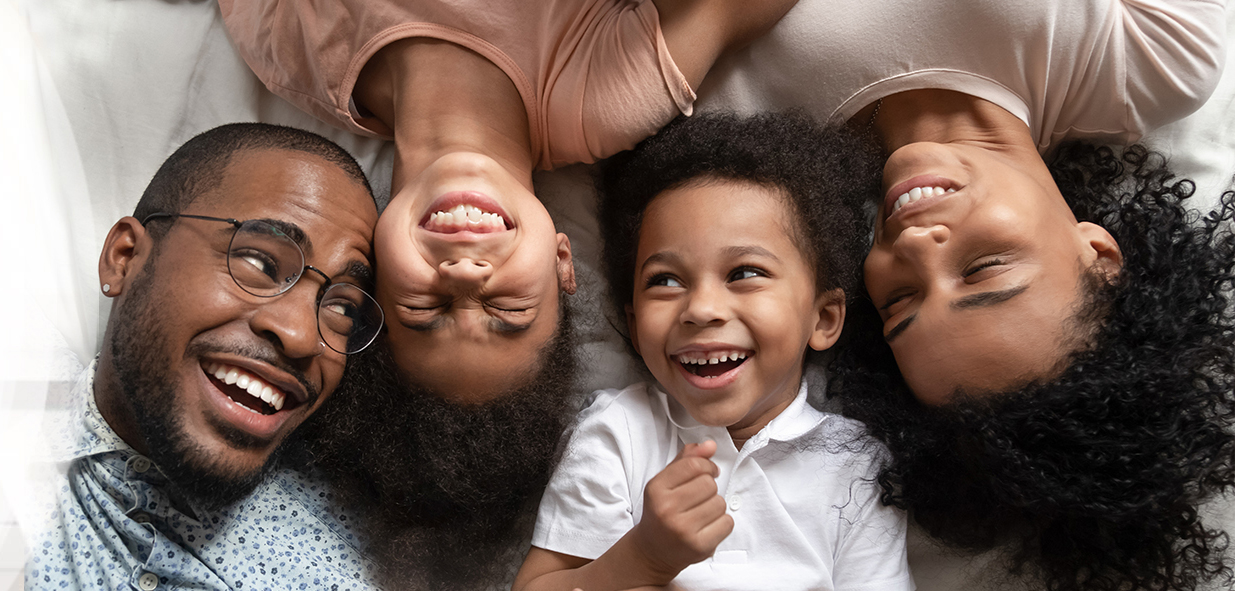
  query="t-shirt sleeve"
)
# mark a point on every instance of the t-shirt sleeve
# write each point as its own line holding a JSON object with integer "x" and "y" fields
{"x": 871, "y": 555}
{"x": 587, "y": 506}
{"x": 1175, "y": 53}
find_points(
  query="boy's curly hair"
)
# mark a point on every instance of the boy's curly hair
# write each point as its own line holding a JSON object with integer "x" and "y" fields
{"x": 825, "y": 174}
{"x": 1091, "y": 479}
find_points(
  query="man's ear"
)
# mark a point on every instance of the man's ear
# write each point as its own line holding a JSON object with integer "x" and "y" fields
{"x": 1100, "y": 248}
{"x": 125, "y": 251}
{"x": 830, "y": 306}
{"x": 565, "y": 265}
{"x": 630, "y": 327}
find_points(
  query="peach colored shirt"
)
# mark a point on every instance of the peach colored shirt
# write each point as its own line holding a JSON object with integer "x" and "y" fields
{"x": 595, "y": 75}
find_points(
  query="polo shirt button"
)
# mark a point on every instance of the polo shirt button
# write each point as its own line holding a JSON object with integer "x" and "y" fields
{"x": 140, "y": 465}
{"x": 141, "y": 518}
{"x": 735, "y": 503}
{"x": 148, "y": 582}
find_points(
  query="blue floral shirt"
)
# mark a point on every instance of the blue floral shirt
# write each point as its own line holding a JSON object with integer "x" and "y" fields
{"x": 114, "y": 525}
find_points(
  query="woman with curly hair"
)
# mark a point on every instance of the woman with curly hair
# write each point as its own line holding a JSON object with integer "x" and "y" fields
{"x": 1087, "y": 469}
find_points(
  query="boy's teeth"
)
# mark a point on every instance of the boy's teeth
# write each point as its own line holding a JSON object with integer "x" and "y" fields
{"x": 917, "y": 193}
{"x": 249, "y": 383}
{"x": 710, "y": 358}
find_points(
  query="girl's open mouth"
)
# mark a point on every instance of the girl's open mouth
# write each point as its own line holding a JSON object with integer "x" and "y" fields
{"x": 713, "y": 363}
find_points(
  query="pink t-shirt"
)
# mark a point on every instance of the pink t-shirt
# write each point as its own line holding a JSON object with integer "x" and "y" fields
{"x": 595, "y": 75}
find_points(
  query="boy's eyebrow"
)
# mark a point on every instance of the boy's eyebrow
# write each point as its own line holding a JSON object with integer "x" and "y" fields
{"x": 660, "y": 257}
{"x": 741, "y": 251}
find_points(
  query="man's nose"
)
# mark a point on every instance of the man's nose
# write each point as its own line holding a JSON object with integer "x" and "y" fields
{"x": 289, "y": 321}
{"x": 465, "y": 272}
{"x": 920, "y": 244}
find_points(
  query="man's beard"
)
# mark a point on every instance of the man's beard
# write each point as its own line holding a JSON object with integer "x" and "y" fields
{"x": 148, "y": 388}
{"x": 446, "y": 491}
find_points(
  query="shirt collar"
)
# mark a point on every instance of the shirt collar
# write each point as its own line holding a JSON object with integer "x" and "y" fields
{"x": 796, "y": 420}
{"x": 83, "y": 431}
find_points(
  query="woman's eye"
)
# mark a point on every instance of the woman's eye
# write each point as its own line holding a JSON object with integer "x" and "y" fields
{"x": 663, "y": 280}
{"x": 746, "y": 273}
{"x": 892, "y": 300}
{"x": 975, "y": 269}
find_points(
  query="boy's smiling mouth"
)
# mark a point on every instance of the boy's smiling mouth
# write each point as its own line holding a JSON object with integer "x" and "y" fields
{"x": 711, "y": 364}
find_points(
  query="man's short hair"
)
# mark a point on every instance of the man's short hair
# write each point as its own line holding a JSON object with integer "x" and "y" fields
{"x": 197, "y": 166}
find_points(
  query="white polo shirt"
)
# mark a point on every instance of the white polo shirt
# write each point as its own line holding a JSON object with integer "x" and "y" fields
{"x": 801, "y": 492}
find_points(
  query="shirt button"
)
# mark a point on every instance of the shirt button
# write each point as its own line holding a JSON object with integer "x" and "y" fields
{"x": 148, "y": 582}
{"x": 140, "y": 465}
{"x": 735, "y": 503}
{"x": 141, "y": 518}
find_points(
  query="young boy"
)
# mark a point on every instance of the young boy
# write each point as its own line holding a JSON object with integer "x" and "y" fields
{"x": 730, "y": 245}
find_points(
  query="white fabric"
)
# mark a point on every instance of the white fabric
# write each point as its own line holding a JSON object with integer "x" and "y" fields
{"x": 1107, "y": 70}
{"x": 801, "y": 492}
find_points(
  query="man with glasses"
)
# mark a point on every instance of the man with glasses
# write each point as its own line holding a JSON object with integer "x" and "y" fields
{"x": 239, "y": 286}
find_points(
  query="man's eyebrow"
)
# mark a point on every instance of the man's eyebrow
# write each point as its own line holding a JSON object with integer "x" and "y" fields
{"x": 899, "y": 328}
{"x": 360, "y": 271}
{"x": 741, "y": 251}
{"x": 294, "y": 232}
{"x": 988, "y": 298}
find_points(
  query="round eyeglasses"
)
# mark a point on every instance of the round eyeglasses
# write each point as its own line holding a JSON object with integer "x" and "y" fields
{"x": 265, "y": 261}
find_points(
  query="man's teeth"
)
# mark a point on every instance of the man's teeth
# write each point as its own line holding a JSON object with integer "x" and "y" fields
{"x": 710, "y": 358}
{"x": 917, "y": 193}
{"x": 466, "y": 216}
{"x": 249, "y": 383}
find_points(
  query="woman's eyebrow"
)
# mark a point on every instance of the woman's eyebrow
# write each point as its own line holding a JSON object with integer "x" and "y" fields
{"x": 988, "y": 298}
{"x": 899, "y": 328}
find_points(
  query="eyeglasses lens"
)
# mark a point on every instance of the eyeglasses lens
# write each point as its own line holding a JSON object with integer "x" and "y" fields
{"x": 348, "y": 318}
{"x": 263, "y": 260}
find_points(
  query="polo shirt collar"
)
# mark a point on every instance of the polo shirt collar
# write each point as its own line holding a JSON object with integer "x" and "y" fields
{"x": 798, "y": 419}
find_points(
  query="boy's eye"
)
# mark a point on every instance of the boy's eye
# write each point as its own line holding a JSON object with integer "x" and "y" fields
{"x": 663, "y": 280}
{"x": 746, "y": 273}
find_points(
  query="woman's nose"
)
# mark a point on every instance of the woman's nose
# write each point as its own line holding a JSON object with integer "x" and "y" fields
{"x": 919, "y": 244}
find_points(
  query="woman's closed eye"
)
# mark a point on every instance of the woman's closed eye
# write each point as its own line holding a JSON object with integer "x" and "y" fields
{"x": 982, "y": 268}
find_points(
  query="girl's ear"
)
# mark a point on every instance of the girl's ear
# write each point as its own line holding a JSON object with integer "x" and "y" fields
{"x": 830, "y": 307}
{"x": 565, "y": 265}
{"x": 630, "y": 328}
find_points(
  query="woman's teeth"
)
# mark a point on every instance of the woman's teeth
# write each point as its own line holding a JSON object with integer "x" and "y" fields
{"x": 465, "y": 217}
{"x": 710, "y": 358}
{"x": 917, "y": 193}
{"x": 248, "y": 382}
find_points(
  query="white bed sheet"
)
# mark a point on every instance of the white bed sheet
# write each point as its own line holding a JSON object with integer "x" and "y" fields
{"x": 109, "y": 88}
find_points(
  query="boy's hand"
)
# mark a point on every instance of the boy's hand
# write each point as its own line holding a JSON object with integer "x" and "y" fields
{"x": 683, "y": 517}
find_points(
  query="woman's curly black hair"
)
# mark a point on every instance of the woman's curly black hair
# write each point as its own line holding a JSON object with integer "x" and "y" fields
{"x": 825, "y": 174}
{"x": 1093, "y": 479}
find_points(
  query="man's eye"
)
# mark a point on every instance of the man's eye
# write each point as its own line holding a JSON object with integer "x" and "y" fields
{"x": 253, "y": 261}
{"x": 663, "y": 280}
{"x": 746, "y": 273}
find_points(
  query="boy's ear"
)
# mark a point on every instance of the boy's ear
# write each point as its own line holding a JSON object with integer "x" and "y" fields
{"x": 630, "y": 327}
{"x": 830, "y": 306}
{"x": 125, "y": 251}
